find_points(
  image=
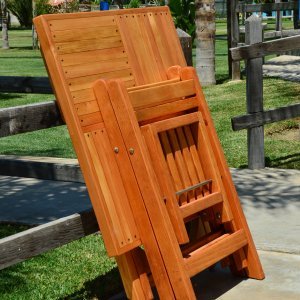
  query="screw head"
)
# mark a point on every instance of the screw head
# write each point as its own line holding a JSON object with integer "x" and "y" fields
{"x": 131, "y": 151}
{"x": 116, "y": 150}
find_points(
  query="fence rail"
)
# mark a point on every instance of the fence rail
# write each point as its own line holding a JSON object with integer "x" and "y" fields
{"x": 266, "y": 48}
{"x": 266, "y": 7}
{"x": 32, "y": 242}
{"x": 265, "y": 117}
{"x": 27, "y": 118}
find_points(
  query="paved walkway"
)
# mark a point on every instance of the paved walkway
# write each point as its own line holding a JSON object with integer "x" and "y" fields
{"x": 271, "y": 201}
{"x": 285, "y": 66}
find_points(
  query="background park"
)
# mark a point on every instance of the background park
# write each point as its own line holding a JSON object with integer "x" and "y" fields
{"x": 81, "y": 269}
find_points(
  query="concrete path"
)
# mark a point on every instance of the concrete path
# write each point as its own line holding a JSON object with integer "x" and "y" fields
{"x": 271, "y": 201}
{"x": 33, "y": 201}
{"x": 285, "y": 66}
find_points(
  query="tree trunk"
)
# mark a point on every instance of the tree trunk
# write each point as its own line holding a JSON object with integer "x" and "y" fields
{"x": 5, "y": 44}
{"x": 205, "y": 41}
{"x": 34, "y": 33}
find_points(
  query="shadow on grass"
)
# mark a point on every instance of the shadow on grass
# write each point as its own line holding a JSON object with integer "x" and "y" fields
{"x": 222, "y": 78}
{"x": 102, "y": 287}
{"x": 284, "y": 162}
{"x": 12, "y": 278}
{"x": 31, "y": 57}
{"x": 287, "y": 162}
{"x": 9, "y": 96}
{"x": 53, "y": 152}
{"x": 21, "y": 48}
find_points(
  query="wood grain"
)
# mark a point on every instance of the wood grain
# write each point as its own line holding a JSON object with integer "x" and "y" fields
{"x": 266, "y": 48}
{"x": 31, "y": 117}
{"x": 153, "y": 96}
{"x": 74, "y": 34}
{"x": 214, "y": 251}
{"x": 265, "y": 117}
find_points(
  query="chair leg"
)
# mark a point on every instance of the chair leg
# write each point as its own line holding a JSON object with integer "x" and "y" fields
{"x": 134, "y": 275}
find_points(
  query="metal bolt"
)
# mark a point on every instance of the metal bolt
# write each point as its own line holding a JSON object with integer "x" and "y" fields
{"x": 116, "y": 149}
{"x": 131, "y": 151}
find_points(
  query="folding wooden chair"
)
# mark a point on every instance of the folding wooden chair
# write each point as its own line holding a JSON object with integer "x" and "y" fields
{"x": 149, "y": 153}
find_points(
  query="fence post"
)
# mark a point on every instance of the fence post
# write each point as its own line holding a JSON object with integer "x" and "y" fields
{"x": 254, "y": 90}
{"x": 233, "y": 38}
{"x": 279, "y": 14}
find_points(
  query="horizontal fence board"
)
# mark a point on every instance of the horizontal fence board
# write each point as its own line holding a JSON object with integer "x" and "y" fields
{"x": 266, "y": 48}
{"x": 25, "y": 84}
{"x": 283, "y": 33}
{"x": 29, "y": 117}
{"x": 24, "y": 245}
{"x": 267, "y": 7}
{"x": 41, "y": 168}
{"x": 261, "y": 118}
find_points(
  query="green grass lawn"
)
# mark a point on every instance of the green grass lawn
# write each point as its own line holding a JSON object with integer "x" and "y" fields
{"x": 78, "y": 270}
{"x": 81, "y": 270}
{"x": 226, "y": 100}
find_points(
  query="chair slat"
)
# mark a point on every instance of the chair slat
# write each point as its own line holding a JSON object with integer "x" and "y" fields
{"x": 161, "y": 94}
{"x": 200, "y": 204}
{"x": 78, "y": 58}
{"x": 96, "y": 68}
{"x": 86, "y": 82}
{"x": 78, "y": 23}
{"x": 81, "y": 34}
{"x": 87, "y": 107}
{"x": 90, "y": 119}
{"x": 165, "y": 110}
{"x": 88, "y": 45}
{"x": 214, "y": 251}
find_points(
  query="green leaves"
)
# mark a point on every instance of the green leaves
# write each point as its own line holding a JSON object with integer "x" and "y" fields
{"x": 22, "y": 9}
{"x": 183, "y": 13}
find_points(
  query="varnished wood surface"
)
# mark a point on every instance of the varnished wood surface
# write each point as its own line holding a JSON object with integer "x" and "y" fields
{"x": 129, "y": 192}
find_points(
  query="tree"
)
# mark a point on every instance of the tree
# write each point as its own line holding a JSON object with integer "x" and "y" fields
{"x": 205, "y": 41}
{"x": 5, "y": 44}
{"x": 22, "y": 9}
{"x": 183, "y": 13}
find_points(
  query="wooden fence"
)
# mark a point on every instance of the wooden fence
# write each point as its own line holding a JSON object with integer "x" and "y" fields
{"x": 19, "y": 247}
{"x": 236, "y": 8}
{"x": 256, "y": 117}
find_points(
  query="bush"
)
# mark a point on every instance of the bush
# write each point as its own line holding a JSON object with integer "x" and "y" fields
{"x": 43, "y": 7}
{"x": 183, "y": 13}
{"x": 22, "y": 9}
